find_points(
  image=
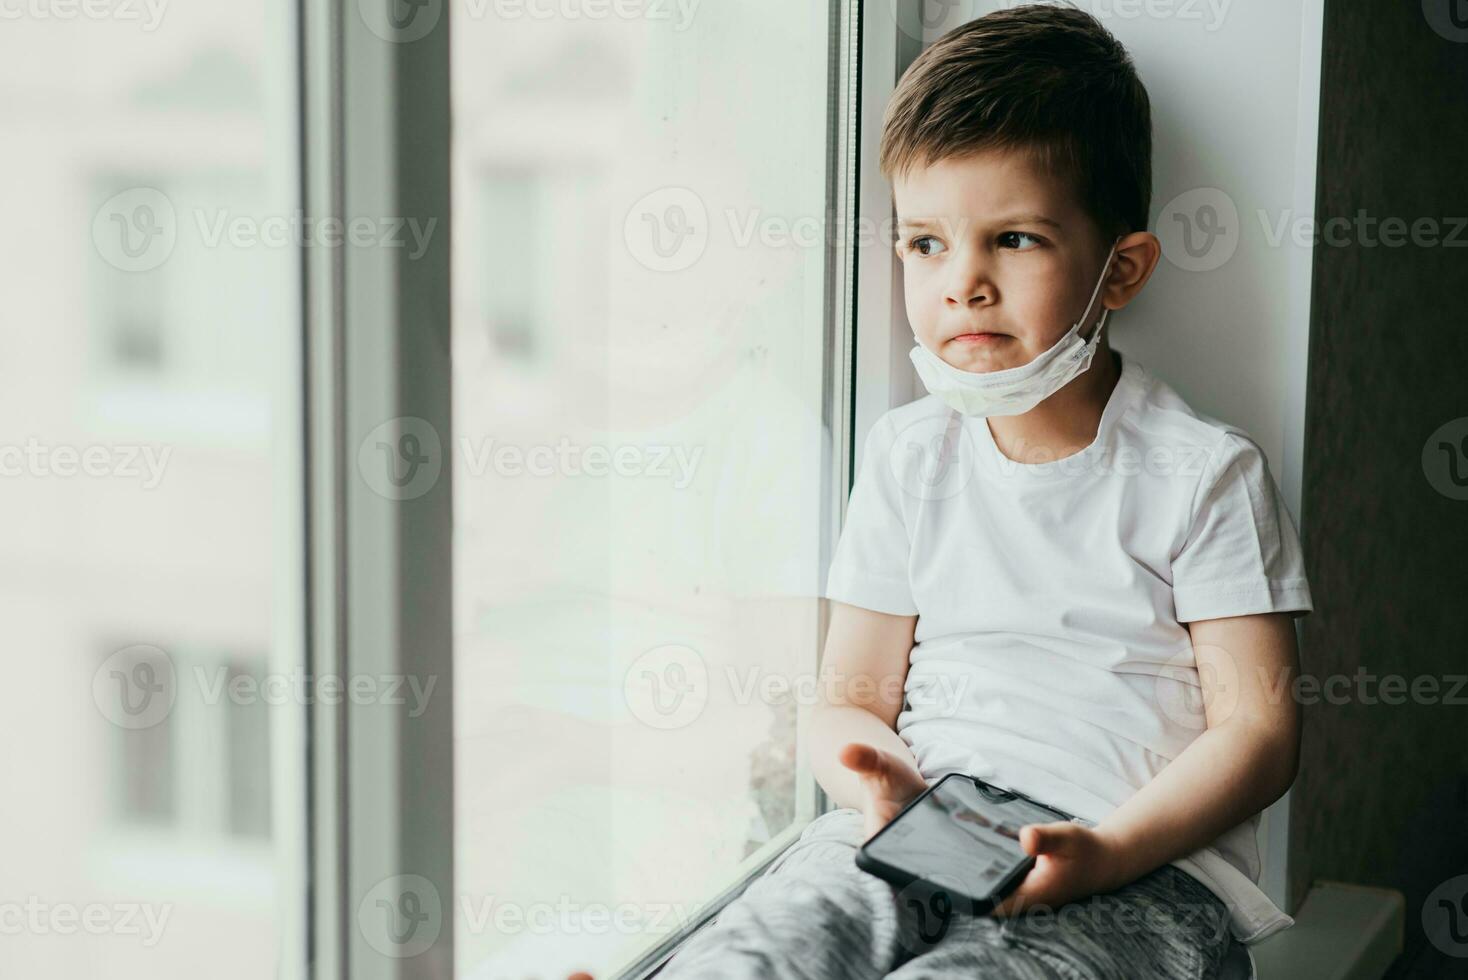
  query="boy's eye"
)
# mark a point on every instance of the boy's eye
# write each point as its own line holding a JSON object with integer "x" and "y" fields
{"x": 923, "y": 245}
{"x": 1016, "y": 239}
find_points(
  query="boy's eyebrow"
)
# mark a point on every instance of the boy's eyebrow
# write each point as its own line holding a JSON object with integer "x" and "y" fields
{"x": 1011, "y": 219}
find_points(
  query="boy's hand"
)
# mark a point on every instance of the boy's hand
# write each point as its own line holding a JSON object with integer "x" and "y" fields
{"x": 1071, "y": 862}
{"x": 889, "y": 781}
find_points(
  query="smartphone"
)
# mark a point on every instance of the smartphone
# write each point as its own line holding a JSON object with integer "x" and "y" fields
{"x": 959, "y": 839}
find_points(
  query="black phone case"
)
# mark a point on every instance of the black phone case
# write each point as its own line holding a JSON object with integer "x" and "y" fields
{"x": 978, "y": 904}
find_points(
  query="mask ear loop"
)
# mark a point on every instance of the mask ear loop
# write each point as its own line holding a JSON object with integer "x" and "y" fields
{"x": 1097, "y": 291}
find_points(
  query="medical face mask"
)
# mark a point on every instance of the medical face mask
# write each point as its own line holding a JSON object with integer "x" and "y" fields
{"x": 1013, "y": 391}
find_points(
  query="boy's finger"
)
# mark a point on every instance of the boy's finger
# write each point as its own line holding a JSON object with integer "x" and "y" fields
{"x": 1047, "y": 838}
{"x": 861, "y": 757}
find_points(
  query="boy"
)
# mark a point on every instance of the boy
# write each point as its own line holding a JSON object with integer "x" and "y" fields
{"x": 1054, "y": 575}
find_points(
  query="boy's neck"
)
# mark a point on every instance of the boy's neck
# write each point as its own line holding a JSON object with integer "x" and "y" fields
{"x": 1066, "y": 422}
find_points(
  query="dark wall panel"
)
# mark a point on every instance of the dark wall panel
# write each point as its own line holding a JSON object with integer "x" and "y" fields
{"x": 1382, "y": 797}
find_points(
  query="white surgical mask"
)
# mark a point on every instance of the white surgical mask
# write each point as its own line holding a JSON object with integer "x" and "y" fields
{"x": 1013, "y": 391}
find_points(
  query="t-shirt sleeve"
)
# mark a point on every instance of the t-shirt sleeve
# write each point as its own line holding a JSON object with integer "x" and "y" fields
{"x": 870, "y": 564}
{"x": 1242, "y": 553}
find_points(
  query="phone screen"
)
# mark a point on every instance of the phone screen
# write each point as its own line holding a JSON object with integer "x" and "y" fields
{"x": 960, "y": 832}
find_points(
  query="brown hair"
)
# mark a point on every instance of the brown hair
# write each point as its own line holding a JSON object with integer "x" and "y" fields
{"x": 1046, "y": 80}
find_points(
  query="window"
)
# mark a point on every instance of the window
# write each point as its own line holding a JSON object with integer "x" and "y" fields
{"x": 150, "y": 464}
{"x": 574, "y": 545}
{"x": 643, "y": 463}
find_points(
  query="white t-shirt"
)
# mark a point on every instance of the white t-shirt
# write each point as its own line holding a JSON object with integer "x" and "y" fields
{"x": 1050, "y": 656}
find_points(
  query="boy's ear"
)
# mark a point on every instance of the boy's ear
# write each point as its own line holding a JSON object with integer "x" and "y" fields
{"x": 1137, "y": 254}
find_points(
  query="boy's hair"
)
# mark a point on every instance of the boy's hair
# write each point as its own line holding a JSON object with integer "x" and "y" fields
{"x": 1046, "y": 80}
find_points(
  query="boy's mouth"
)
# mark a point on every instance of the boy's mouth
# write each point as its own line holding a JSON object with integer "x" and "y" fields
{"x": 979, "y": 338}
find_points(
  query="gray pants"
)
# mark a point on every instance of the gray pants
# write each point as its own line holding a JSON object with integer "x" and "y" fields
{"x": 814, "y": 915}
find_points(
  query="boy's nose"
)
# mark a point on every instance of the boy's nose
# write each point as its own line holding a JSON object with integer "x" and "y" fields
{"x": 969, "y": 285}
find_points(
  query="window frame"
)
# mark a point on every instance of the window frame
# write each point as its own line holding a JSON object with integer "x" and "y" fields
{"x": 375, "y": 142}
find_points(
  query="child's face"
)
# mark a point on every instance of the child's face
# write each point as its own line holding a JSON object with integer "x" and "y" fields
{"x": 991, "y": 244}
